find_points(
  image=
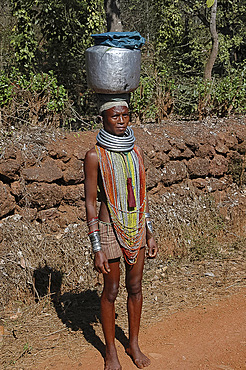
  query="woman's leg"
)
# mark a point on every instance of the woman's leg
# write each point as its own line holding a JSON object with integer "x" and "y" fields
{"x": 134, "y": 276}
{"x": 109, "y": 294}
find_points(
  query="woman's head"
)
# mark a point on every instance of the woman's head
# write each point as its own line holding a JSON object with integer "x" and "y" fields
{"x": 116, "y": 119}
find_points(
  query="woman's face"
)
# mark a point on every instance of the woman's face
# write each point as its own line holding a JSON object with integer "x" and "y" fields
{"x": 115, "y": 120}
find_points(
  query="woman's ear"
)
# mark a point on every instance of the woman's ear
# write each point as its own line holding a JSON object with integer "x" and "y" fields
{"x": 100, "y": 119}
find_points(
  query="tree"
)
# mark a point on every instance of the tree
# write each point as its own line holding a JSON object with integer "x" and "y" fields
{"x": 54, "y": 36}
{"x": 215, "y": 41}
{"x": 112, "y": 9}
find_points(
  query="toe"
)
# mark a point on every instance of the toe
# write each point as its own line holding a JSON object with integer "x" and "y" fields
{"x": 139, "y": 364}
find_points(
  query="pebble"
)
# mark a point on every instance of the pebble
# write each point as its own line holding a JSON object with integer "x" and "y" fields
{"x": 210, "y": 274}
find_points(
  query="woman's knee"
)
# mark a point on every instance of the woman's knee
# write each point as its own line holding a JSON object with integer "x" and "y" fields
{"x": 111, "y": 291}
{"x": 134, "y": 287}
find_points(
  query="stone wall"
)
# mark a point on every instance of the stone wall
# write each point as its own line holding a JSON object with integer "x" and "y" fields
{"x": 44, "y": 183}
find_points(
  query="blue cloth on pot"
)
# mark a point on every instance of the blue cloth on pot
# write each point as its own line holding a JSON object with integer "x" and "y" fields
{"x": 129, "y": 40}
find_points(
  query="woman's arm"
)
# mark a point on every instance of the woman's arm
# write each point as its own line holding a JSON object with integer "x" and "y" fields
{"x": 91, "y": 176}
{"x": 152, "y": 246}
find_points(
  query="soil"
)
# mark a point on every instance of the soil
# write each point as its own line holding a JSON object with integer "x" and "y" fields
{"x": 194, "y": 317}
{"x": 211, "y": 336}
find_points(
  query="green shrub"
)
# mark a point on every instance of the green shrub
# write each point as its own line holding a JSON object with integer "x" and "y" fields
{"x": 153, "y": 100}
{"x": 34, "y": 99}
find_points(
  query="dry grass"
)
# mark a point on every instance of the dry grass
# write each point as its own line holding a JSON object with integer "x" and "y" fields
{"x": 193, "y": 225}
{"x": 36, "y": 261}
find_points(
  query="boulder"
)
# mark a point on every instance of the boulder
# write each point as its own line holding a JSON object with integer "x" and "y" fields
{"x": 218, "y": 166}
{"x": 48, "y": 214}
{"x": 60, "y": 151}
{"x": 192, "y": 142}
{"x": 7, "y": 201}
{"x": 9, "y": 169}
{"x": 242, "y": 148}
{"x": 198, "y": 167}
{"x": 173, "y": 172}
{"x": 205, "y": 150}
{"x": 16, "y": 188}
{"x": 72, "y": 194}
{"x": 153, "y": 176}
{"x": 221, "y": 148}
{"x": 73, "y": 173}
{"x": 186, "y": 154}
{"x": 43, "y": 195}
{"x": 174, "y": 153}
{"x": 216, "y": 184}
{"x": 47, "y": 171}
{"x": 159, "y": 159}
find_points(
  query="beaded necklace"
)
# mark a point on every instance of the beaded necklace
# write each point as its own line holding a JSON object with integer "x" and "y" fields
{"x": 128, "y": 221}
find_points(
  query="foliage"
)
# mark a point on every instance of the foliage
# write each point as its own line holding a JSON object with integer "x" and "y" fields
{"x": 153, "y": 100}
{"x": 34, "y": 99}
{"x": 54, "y": 36}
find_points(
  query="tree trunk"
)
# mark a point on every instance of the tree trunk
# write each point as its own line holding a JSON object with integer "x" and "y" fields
{"x": 112, "y": 8}
{"x": 215, "y": 43}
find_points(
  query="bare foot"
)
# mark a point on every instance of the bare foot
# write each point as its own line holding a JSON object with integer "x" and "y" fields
{"x": 111, "y": 359}
{"x": 139, "y": 359}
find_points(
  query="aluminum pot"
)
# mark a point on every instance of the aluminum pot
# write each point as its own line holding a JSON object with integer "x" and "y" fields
{"x": 112, "y": 70}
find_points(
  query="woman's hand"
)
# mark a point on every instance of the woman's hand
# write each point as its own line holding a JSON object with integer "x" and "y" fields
{"x": 101, "y": 263}
{"x": 152, "y": 248}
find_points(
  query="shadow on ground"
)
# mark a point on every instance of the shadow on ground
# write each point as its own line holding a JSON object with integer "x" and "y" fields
{"x": 78, "y": 311}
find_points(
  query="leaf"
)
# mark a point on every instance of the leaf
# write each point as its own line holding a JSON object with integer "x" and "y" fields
{"x": 210, "y": 3}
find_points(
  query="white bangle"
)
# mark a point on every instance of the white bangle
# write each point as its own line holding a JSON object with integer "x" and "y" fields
{"x": 95, "y": 241}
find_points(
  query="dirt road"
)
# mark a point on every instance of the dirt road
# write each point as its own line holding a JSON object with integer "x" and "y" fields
{"x": 210, "y": 336}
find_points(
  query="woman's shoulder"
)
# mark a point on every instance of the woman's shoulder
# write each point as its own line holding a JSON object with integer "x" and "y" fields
{"x": 91, "y": 155}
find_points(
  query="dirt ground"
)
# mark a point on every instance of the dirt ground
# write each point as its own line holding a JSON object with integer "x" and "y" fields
{"x": 194, "y": 317}
{"x": 210, "y": 336}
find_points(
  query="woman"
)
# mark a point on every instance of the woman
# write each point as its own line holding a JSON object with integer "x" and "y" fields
{"x": 115, "y": 165}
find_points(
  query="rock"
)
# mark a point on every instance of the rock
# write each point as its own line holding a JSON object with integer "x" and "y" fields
{"x": 200, "y": 183}
{"x": 10, "y": 153}
{"x": 29, "y": 214}
{"x": 159, "y": 159}
{"x": 173, "y": 172}
{"x": 42, "y": 195}
{"x": 162, "y": 144}
{"x": 73, "y": 193}
{"x": 60, "y": 151}
{"x": 210, "y": 274}
{"x": 218, "y": 166}
{"x": 9, "y": 169}
{"x": 198, "y": 167}
{"x": 174, "y": 153}
{"x": 48, "y": 171}
{"x": 71, "y": 214}
{"x": 242, "y": 148}
{"x": 205, "y": 150}
{"x": 221, "y": 148}
{"x": 216, "y": 184}
{"x": 230, "y": 141}
{"x": 16, "y": 188}
{"x": 74, "y": 173}
{"x": 186, "y": 154}
{"x": 7, "y": 201}
{"x": 176, "y": 143}
{"x": 192, "y": 142}
{"x": 48, "y": 214}
{"x": 153, "y": 176}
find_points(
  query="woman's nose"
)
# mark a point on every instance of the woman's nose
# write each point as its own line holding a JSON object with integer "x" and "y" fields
{"x": 121, "y": 120}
